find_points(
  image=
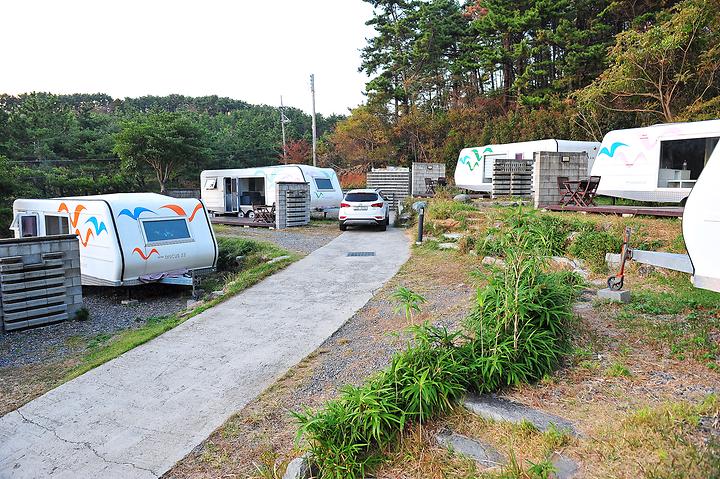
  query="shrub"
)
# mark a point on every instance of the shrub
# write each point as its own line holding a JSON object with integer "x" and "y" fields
{"x": 592, "y": 246}
{"x": 82, "y": 314}
{"x": 441, "y": 209}
{"x": 231, "y": 248}
{"x": 515, "y": 334}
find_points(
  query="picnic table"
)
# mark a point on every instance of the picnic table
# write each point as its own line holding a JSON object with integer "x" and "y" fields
{"x": 578, "y": 192}
{"x": 264, "y": 213}
{"x": 431, "y": 183}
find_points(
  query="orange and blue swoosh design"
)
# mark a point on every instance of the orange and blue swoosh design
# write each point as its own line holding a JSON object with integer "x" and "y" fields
{"x": 135, "y": 214}
{"x": 144, "y": 256}
{"x": 98, "y": 225}
{"x": 178, "y": 210}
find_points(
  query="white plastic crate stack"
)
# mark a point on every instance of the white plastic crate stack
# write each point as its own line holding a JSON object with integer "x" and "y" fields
{"x": 393, "y": 181}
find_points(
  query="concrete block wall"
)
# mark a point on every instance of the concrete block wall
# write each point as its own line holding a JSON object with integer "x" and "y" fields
{"x": 551, "y": 164}
{"x": 292, "y": 205}
{"x": 40, "y": 281}
{"x": 393, "y": 181}
{"x": 420, "y": 171}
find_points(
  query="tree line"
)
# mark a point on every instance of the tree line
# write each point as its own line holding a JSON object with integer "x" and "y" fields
{"x": 447, "y": 74}
{"x": 59, "y": 145}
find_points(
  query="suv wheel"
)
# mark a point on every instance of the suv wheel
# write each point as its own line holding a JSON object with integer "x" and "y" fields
{"x": 342, "y": 226}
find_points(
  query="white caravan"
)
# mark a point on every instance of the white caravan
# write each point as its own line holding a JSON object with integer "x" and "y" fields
{"x": 474, "y": 168}
{"x": 658, "y": 163}
{"x": 700, "y": 228}
{"x": 235, "y": 191}
{"x": 127, "y": 238}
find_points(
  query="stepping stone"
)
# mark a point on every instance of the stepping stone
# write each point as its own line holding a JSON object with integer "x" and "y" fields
{"x": 614, "y": 296}
{"x": 484, "y": 454}
{"x": 298, "y": 468}
{"x": 492, "y": 407}
{"x": 565, "y": 467}
{"x": 453, "y": 236}
{"x": 448, "y": 246}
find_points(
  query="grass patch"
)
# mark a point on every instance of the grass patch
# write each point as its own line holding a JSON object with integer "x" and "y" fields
{"x": 104, "y": 348}
{"x": 591, "y": 246}
{"x": 617, "y": 370}
{"x": 682, "y": 319}
{"x": 664, "y": 441}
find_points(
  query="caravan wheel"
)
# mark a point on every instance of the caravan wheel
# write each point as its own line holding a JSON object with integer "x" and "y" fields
{"x": 250, "y": 214}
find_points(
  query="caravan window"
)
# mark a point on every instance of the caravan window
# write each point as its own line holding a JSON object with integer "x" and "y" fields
{"x": 56, "y": 225}
{"x": 211, "y": 183}
{"x": 682, "y": 161}
{"x": 175, "y": 229}
{"x": 323, "y": 184}
{"x": 28, "y": 226}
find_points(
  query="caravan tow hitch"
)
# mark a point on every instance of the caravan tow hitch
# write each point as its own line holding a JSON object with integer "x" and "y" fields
{"x": 615, "y": 283}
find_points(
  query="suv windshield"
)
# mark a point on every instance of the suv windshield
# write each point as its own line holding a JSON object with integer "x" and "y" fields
{"x": 361, "y": 197}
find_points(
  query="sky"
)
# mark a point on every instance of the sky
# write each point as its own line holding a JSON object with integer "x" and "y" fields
{"x": 253, "y": 51}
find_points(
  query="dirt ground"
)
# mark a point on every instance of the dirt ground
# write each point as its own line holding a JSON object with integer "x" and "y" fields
{"x": 260, "y": 438}
{"x": 642, "y": 408}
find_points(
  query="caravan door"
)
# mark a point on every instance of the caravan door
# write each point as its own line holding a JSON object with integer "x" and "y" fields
{"x": 231, "y": 195}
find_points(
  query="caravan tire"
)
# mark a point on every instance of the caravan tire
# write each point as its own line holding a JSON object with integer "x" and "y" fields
{"x": 250, "y": 214}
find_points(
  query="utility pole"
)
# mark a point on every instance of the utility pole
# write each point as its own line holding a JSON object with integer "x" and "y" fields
{"x": 283, "y": 120}
{"x": 314, "y": 126}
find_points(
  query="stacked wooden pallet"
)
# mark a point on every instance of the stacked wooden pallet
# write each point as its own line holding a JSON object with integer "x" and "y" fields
{"x": 39, "y": 281}
{"x": 393, "y": 182}
{"x": 512, "y": 177}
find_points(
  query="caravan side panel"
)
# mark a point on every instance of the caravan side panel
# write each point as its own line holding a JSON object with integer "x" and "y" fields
{"x": 470, "y": 169}
{"x": 162, "y": 235}
{"x": 91, "y": 221}
{"x": 212, "y": 191}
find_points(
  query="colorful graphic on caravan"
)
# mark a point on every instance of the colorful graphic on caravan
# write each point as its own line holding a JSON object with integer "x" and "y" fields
{"x": 468, "y": 161}
{"x": 75, "y": 216}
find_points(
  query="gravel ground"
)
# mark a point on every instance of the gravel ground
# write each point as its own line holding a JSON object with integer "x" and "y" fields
{"x": 107, "y": 316}
{"x": 302, "y": 240}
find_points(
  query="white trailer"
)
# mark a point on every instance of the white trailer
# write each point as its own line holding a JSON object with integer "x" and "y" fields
{"x": 127, "y": 238}
{"x": 659, "y": 163}
{"x": 474, "y": 168}
{"x": 700, "y": 228}
{"x": 235, "y": 191}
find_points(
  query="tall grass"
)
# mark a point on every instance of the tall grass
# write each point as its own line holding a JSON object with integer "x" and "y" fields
{"x": 516, "y": 333}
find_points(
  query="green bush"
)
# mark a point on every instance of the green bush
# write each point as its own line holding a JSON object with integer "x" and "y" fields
{"x": 231, "y": 248}
{"x": 516, "y": 333}
{"x": 592, "y": 246}
{"x": 448, "y": 209}
{"x": 545, "y": 234}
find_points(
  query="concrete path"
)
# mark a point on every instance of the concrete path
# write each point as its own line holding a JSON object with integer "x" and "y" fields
{"x": 137, "y": 415}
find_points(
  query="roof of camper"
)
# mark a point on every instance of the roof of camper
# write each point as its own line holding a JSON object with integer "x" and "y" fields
{"x": 114, "y": 197}
{"x": 669, "y": 126}
{"x": 557, "y": 140}
{"x": 302, "y": 167}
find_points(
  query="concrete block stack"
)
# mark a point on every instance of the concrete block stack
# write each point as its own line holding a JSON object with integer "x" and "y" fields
{"x": 551, "y": 164}
{"x": 40, "y": 281}
{"x": 512, "y": 177}
{"x": 292, "y": 205}
{"x": 393, "y": 181}
{"x": 420, "y": 171}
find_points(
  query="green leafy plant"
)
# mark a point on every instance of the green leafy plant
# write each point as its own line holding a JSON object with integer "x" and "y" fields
{"x": 592, "y": 246}
{"x": 408, "y": 302}
{"x": 516, "y": 333}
